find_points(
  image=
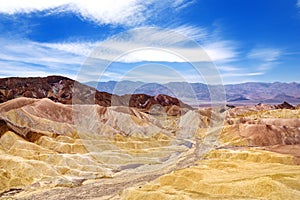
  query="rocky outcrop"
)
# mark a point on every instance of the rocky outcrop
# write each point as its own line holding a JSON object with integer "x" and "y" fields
{"x": 254, "y": 126}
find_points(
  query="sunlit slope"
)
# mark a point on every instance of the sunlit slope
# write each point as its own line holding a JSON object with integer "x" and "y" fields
{"x": 227, "y": 174}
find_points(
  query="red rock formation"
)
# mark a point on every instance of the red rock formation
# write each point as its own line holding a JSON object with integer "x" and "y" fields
{"x": 56, "y": 88}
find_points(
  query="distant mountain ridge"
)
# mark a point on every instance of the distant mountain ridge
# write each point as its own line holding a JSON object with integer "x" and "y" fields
{"x": 251, "y": 92}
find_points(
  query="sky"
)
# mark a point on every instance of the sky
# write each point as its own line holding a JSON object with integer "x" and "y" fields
{"x": 210, "y": 41}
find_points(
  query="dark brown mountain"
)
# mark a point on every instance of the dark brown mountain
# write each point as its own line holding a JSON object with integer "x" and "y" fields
{"x": 285, "y": 105}
{"x": 67, "y": 91}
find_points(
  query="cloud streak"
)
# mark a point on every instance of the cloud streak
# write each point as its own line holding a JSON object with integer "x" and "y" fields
{"x": 265, "y": 54}
{"x": 267, "y": 57}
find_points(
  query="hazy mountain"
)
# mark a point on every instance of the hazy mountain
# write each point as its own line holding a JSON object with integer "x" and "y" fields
{"x": 252, "y": 92}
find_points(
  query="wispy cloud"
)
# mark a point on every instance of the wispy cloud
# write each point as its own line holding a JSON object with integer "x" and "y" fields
{"x": 225, "y": 75}
{"x": 221, "y": 51}
{"x": 264, "y": 54}
{"x": 193, "y": 32}
{"x": 124, "y": 12}
{"x": 76, "y": 48}
{"x": 18, "y": 69}
{"x": 298, "y": 3}
{"x": 225, "y": 68}
{"x": 181, "y": 4}
{"x": 138, "y": 45}
{"x": 170, "y": 45}
{"x": 104, "y": 12}
{"x": 23, "y": 58}
{"x": 35, "y": 53}
{"x": 27, "y": 58}
{"x": 256, "y": 63}
{"x": 266, "y": 57}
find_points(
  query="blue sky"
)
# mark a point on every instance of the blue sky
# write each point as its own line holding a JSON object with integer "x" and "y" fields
{"x": 153, "y": 41}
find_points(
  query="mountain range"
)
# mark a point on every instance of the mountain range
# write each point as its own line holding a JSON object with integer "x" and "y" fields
{"x": 243, "y": 93}
{"x": 144, "y": 95}
{"x": 67, "y": 91}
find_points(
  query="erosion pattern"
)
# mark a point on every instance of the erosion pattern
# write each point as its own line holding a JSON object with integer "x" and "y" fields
{"x": 50, "y": 150}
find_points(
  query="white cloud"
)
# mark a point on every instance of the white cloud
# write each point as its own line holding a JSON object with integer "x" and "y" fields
{"x": 27, "y": 58}
{"x": 181, "y": 4}
{"x": 106, "y": 12}
{"x": 265, "y": 54}
{"x": 266, "y": 58}
{"x": 125, "y": 12}
{"x": 298, "y": 3}
{"x": 221, "y": 51}
{"x": 77, "y": 48}
{"x": 242, "y": 74}
{"x": 225, "y": 68}
{"x": 150, "y": 55}
{"x": 193, "y": 32}
{"x": 35, "y": 53}
{"x": 165, "y": 45}
{"x": 24, "y": 70}
{"x": 153, "y": 44}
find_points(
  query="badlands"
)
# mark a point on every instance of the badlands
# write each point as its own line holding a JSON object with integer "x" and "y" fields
{"x": 155, "y": 148}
